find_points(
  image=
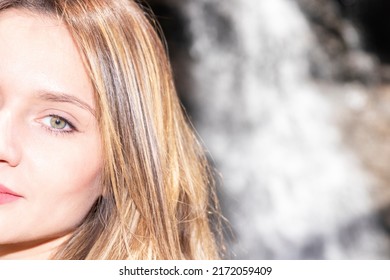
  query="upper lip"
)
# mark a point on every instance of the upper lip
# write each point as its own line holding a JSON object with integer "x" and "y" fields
{"x": 5, "y": 190}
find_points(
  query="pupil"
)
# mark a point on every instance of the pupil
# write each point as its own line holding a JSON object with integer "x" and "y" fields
{"x": 57, "y": 123}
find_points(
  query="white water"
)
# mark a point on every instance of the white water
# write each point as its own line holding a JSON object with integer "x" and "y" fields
{"x": 293, "y": 189}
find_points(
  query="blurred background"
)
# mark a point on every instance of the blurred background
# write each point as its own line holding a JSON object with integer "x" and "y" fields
{"x": 292, "y": 100}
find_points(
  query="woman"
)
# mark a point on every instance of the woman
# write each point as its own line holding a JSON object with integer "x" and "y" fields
{"x": 96, "y": 158}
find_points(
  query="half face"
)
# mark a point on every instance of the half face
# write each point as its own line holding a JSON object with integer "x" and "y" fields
{"x": 50, "y": 147}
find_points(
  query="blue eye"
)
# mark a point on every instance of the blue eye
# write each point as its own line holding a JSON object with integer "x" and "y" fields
{"x": 58, "y": 124}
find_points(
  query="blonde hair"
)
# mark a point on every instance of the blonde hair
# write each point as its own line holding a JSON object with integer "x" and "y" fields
{"x": 158, "y": 195}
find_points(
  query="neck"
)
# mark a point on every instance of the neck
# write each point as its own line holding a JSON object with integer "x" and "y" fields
{"x": 35, "y": 250}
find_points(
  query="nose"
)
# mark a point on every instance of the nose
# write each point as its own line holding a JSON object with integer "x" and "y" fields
{"x": 9, "y": 150}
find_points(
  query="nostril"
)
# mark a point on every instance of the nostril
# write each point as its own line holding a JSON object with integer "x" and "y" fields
{"x": 9, "y": 151}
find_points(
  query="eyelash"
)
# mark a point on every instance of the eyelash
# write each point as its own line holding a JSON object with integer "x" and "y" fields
{"x": 60, "y": 131}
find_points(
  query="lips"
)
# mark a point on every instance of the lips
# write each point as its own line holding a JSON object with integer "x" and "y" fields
{"x": 7, "y": 196}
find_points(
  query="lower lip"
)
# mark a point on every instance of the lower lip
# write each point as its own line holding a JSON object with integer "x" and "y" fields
{"x": 7, "y": 198}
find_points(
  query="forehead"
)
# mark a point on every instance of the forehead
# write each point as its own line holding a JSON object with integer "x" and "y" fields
{"x": 37, "y": 52}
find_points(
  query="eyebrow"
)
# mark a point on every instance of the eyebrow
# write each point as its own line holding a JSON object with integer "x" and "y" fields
{"x": 65, "y": 98}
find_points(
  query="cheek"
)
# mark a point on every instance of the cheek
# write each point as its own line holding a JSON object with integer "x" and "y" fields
{"x": 64, "y": 180}
{"x": 74, "y": 164}
{"x": 60, "y": 181}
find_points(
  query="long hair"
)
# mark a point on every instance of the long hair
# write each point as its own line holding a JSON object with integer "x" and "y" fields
{"x": 158, "y": 195}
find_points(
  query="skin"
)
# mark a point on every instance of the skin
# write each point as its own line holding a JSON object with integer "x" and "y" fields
{"x": 55, "y": 167}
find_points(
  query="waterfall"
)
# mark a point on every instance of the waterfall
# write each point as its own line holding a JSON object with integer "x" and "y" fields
{"x": 291, "y": 187}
